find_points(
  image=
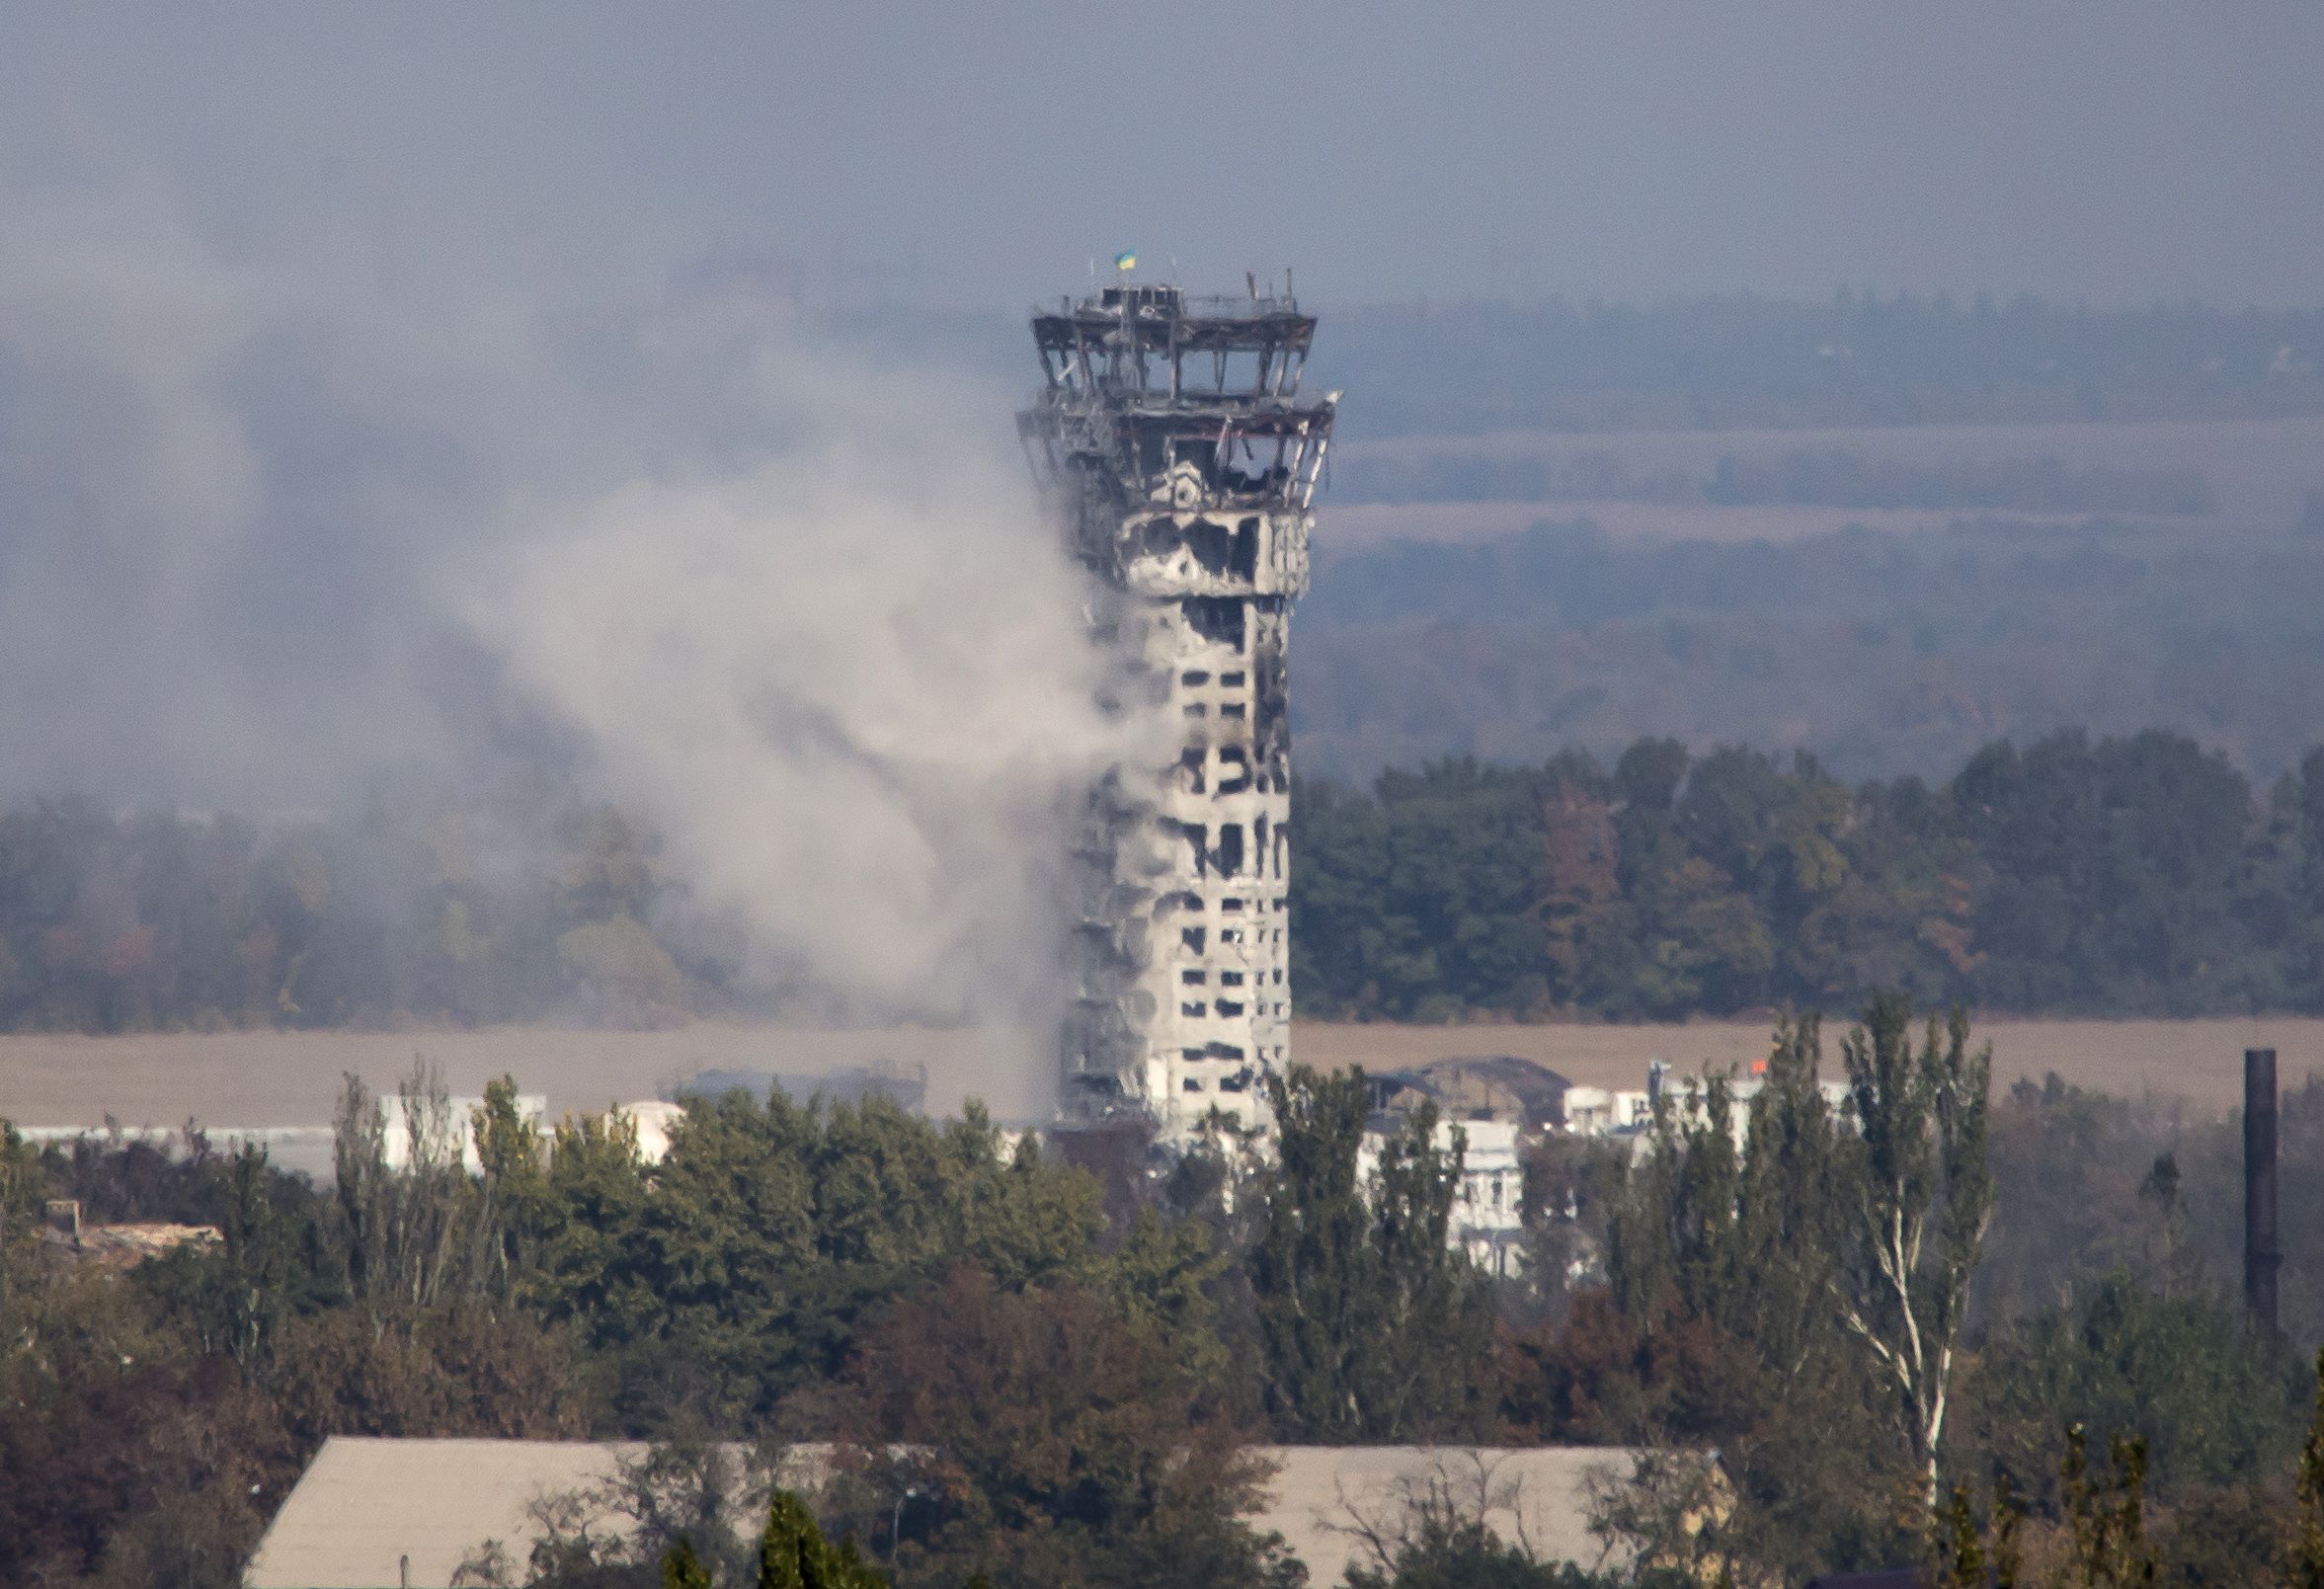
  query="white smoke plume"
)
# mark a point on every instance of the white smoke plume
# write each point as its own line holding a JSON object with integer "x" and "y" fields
{"x": 851, "y": 684}
{"x": 271, "y": 526}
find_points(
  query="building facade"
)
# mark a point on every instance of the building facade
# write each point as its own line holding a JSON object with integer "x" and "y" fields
{"x": 1172, "y": 437}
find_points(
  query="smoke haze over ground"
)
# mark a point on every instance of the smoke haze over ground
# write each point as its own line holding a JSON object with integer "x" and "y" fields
{"x": 277, "y": 535}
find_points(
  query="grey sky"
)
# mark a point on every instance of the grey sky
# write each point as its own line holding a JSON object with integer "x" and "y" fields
{"x": 977, "y": 155}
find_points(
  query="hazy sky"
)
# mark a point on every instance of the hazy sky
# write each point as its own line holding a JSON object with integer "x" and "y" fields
{"x": 980, "y": 154}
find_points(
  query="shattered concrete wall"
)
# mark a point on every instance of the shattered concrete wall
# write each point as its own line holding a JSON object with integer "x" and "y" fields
{"x": 1173, "y": 442}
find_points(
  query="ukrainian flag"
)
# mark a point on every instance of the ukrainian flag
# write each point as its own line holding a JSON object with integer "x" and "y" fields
{"x": 1125, "y": 261}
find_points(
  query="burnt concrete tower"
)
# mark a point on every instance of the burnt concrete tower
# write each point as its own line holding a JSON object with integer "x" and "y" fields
{"x": 1172, "y": 436}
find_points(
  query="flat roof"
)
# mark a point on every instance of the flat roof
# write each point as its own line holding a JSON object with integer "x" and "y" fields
{"x": 365, "y": 1507}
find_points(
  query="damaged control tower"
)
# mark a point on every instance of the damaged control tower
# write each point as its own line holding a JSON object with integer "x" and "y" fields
{"x": 1173, "y": 439}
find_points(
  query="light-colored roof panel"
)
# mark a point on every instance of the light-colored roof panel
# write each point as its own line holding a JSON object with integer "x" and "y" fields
{"x": 1322, "y": 1495}
{"x": 364, "y": 1506}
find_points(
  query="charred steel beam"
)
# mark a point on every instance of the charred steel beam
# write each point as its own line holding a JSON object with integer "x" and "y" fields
{"x": 2261, "y": 1252}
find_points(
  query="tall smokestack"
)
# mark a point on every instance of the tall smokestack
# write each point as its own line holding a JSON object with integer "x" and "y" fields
{"x": 2260, "y": 1251}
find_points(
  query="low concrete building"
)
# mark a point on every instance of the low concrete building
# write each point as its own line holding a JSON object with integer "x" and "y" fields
{"x": 1603, "y": 1112}
{"x": 410, "y": 1129}
{"x": 1499, "y": 1103}
{"x": 383, "y": 1514}
{"x": 1488, "y": 1212}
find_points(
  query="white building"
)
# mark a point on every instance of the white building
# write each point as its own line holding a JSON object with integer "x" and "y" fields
{"x": 408, "y": 1125}
{"x": 1488, "y": 1222}
{"x": 1601, "y": 1112}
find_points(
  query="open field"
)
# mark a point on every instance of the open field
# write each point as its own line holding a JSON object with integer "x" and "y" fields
{"x": 2259, "y": 469}
{"x": 289, "y": 1078}
{"x": 285, "y": 1078}
{"x": 1362, "y": 525}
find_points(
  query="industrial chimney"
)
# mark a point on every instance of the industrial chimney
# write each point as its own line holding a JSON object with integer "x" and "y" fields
{"x": 2261, "y": 1252}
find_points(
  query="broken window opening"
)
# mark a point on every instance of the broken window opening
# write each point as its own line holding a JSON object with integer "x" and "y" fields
{"x": 1230, "y": 935}
{"x": 1197, "y": 838}
{"x": 1229, "y": 904}
{"x": 1222, "y": 1051}
{"x": 1199, "y": 675}
{"x": 1190, "y": 1053}
{"x": 1234, "y": 769}
{"x": 1197, "y": 709}
{"x": 1231, "y": 709}
{"x": 1229, "y": 848}
{"x": 1191, "y": 978}
{"x": 1227, "y": 979}
{"x": 1192, "y": 1084}
{"x": 1258, "y": 843}
{"x": 1191, "y": 762}
{"x": 1192, "y": 939}
{"x": 1227, "y": 1006}
{"x": 1182, "y": 900}
{"x": 1233, "y": 1084}
{"x": 1193, "y": 1007}
{"x": 1231, "y": 680}
{"x": 1217, "y": 618}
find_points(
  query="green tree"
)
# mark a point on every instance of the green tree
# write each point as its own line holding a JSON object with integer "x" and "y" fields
{"x": 2306, "y": 1555}
{"x": 2213, "y": 1404}
{"x": 2106, "y": 1518}
{"x": 1368, "y": 1323}
{"x": 1922, "y": 1196}
{"x": 1045, "y": 1438}
{"x": 793, "y": 1553}
{"x": 682, "y": 1570}
{"x": 743, "y": 1265}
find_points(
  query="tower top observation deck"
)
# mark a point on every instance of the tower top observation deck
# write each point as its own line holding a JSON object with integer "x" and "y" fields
{"x": 1154, "y": 397}
{"x": 1156, "y": 345}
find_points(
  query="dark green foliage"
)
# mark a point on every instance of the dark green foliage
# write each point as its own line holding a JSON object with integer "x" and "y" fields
{"x": 771, "y": 1231}
{"x": 1371, "y": 1329}
{"x": 2078, "y": 1197}
{"x": 1722, "y": 1329}
{"x": 2105, "y": 1517}
{"x": 2211, "y": 1403}
{"x": 682, "y": 1570}
{"x": 2074, "y": 874}
{"x": 2110, "y": 876}
{"x": 1049, "y": 1440}
{"x": 794, "y": 1554}
{"x": 2307, "y": 1544}
{"x": 164, "y": 921}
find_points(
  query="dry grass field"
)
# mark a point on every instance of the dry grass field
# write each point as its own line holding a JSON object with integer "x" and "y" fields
{"x": 283, "y": 1078}
{"x": 2260, "y": 469}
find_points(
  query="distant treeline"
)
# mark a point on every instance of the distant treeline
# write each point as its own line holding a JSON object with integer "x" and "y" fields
{"x": 1855, "y": 359}
{"x": 2111, "y": 876}
{"x": 158, "y": 921}
{"x": 2138, "y": 875}
{"x": 1833, "y": 478}
{"x": 1889, "y": 653}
